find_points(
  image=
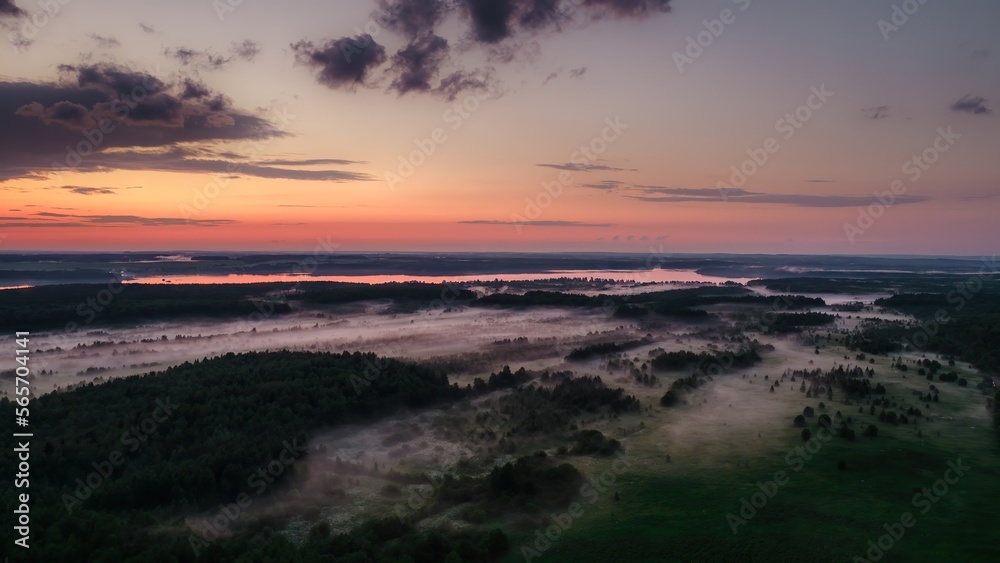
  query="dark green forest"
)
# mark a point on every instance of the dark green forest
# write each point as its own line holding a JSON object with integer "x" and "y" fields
{"x": 149, "y": 449}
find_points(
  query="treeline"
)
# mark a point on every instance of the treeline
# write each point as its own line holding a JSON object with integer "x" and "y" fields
{"x": 54, "y": 306}
{"x": 972, "y": 333}
{"x": 604, "y": 348}
{"x": 704, "y": 362}
{"x": 429, "y": 294}
{"x": 794, "y": 322}
{"x": 678, "y": 302}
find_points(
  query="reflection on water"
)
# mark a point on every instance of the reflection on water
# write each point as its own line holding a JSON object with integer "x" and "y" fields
{"x": 636, "y": 276}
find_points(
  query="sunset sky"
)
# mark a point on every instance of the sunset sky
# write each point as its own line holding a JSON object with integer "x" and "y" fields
{"x": 570, "y": 125}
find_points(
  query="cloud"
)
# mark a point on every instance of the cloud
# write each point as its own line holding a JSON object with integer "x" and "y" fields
{"x": 411, "y": 18}
{"x": 821, "y": 181}
{"x": 342, "y": 63}
{"x": 480, "y": 80}
{"x": 308, "y": 162}
{"x": 246, "y": 50}
{"x": 575, "y": 72}
{"x": 206, "y": 60}
{"x": 658, "y": 194}
{"x": 105, "y": 41}
{"x": 202, "y": 60}
{"x": 48, "y": 219}
{"x": 879, "y": 112}
{"x": 492, "y": 21}
{"x": 178, "y": 159}
{"x": 84, "y": 190}
{"x": 972, "y": 104}
{"x": 573, "y": 167}
{"x": 979, "y": 54}
{"x": 417, "y": 64}
{"x": 145, "y": 119}
{"x": 550, "y": 77}
{"x": 502, "y": 29}
{"x": 146, "y": 28}
{"x": 8, "y": 8}
{"x": 536, "y": 223}
{"x": 606, "y": 185}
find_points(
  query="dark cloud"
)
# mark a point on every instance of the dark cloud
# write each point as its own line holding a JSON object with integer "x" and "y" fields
{"x": 8, "y": 8}
{"x": 550, "y": 77}
{"x": 491, "y": 19}
{"x": 502, "y": 28}
{"x": 411, "y": 18}
{"x": 573, "y": 167}
{"x": 573, "y": 73}
{"x": 146, "y": 28}
{"x": 972, "y": 104}
{"x": 628, "y": 8}
{"x": 65, "y": 113}
{"x": 48, "y": 126}
{"x": 195, "y": 90}
{"x": 536, "y": 223}
{"x": 417, "y": 64}
{"x": 342, "y": 63}
{"x": 879, "y": 112}
{"x": 105, "y": 41}
{"x": 979, "y": 54}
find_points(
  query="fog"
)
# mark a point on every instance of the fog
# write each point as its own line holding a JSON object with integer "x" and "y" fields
{"x": 734, "y": 422}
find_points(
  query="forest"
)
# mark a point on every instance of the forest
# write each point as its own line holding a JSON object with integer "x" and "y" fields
{"x": 122, "y": 458}
{"x": 72, "y": 306}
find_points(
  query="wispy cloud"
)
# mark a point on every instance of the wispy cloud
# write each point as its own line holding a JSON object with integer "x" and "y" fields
{"x": 656, "y": 194}
{"x": 49, "y": 219}
{"x": 972, "y": 104}
{"x": 207, "y": 60}
{"x": 606, "y": 185}
{"x": 537, "y": 223}
{"x": 573, "y": 167}
{"x": 878, "y": 112}
{"x": 105, "y": 41}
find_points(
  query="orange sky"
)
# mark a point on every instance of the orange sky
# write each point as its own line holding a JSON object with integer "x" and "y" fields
{"x": 475, "y": 167}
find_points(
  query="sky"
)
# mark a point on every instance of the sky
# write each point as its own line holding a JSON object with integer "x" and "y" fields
{"x": 744, "y": 126}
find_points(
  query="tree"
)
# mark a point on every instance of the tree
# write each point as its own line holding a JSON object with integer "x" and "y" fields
{"x": 825, "y": 422}
{"x": 808, "y": 412}
{"x": 669, "y": 398}
{"x": 806, "y": 434}
{"x": 871, "y": 431}
{"x": 799, "y": 421}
